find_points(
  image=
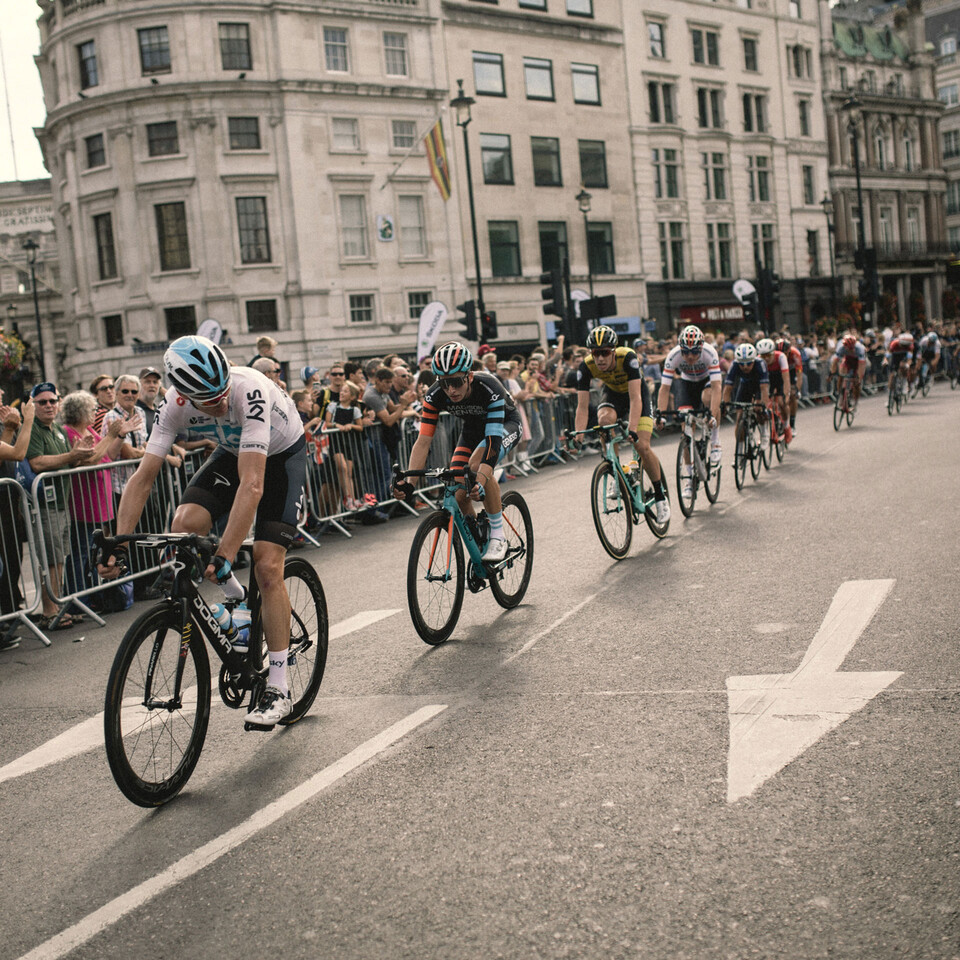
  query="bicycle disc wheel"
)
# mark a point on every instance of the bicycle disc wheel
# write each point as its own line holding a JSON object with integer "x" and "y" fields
{"x": 711, "y": 485}
{"x": 659, "y": 530}
{"x": 755, "y": 451}
{"x": 612, "y": 510}
{"x": 686, "y": 503}
{"x": 740, "y": 461}
{"x": 435, "y": 578}
{"x": 511, "y": 576}
{"x": 153, "y": 749}
{"x": 309, "y": 635}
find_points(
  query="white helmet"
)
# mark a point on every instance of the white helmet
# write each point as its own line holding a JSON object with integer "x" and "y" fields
{"x": 745, "y": 353}
{"x": 198, "y": 368}
{"x": 765, "y": 346}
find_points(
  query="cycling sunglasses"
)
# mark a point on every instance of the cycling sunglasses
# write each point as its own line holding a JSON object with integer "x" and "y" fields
{"x": 602, "y": 353}
{"x": 452, "y": 383}
{"x": 687, "y": 350}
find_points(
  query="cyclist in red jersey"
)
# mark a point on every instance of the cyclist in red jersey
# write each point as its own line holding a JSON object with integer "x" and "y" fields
{"x": 795, "y": 366}
{"x": 779, "y": 373}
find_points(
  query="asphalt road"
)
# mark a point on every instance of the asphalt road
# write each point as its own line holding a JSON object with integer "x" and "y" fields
{"x": 580, "y": 787}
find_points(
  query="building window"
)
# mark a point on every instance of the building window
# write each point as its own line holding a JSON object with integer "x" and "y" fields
{"x": 395, "y": 54}
{"x": 96, "y": 153}
{"x": 844, "y": 84}
{"x": 750, "y": 54}
{"x": 809, "y": 193}
{"x": 335, "y": 52}
{"x": 666, "y": 183}
{"x": 235, "y": 46}
{"x": 504, "y": 248}
{"x": 886, "y": 228}
{"x": 953, "y": 238}
{"x": 803, "y": 111}
{"x": 345, "y": 134}
{"x": 758, "y": 179}
{"x": 948, "y": 94}
{"x": 951, "y": 144}
{"x": 661, "y": 102}
{"x": 416, "y": 301}
{"x": 708, "y": 108}
{"x": 953, "y": 197}
{"x": 353, "y": 219}
{"x": 801, "y": 61}
{"x": 795, "y": 9}
{"x": 763, "y": 245}
{"x": 106, "y": 250}
{"x": 909, "y": 153}
{"x": 361, "y": 308}
{"x": 593, "y": 163}
{"x": 413, "y": 231}
{"x": 496, "y": 157}
{"x": 113, "y": 329}
{"x": 880, "y": 149}
{"x": 671, "y": 250}
{"x": 181, "y": 321}
{"x": 172, "y": 236}
{"x": 262, "y": 316}
{"x": 948, "y": 45}
{"x": 553, "y": 244}
{"x": 533, "y": 4}
{"x": 714, "y": 175}
{"x": 580, "y": 8}
{"x": 488, "y": 74}
{"x": 705, "y": 47}
{"x": 538, "y": 77}
{"x": 586, "y": 83}
{"x": 403, "y": 134}
{"x": 87, "y": 57}
{"x": 244, "y": 133}
{"x": 254, "y": 230}
{"x": 754, "y": 113}
{"x": 718, "y": 251}
{"x": 600, "y": 247}
{"x": 658, "y": 46}
{"x": 154, "y": 50}
{"x": 162, "y": 139}
{"x": 913, "y": 228}
{"x": 546, "y": 161}
{"x": 813, "y": 253}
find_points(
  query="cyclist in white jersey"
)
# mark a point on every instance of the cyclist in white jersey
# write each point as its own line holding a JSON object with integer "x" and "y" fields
{"x": 260, "y": 446}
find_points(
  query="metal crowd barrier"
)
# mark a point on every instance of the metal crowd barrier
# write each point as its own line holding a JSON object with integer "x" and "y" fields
{"x": 20, "y": 580}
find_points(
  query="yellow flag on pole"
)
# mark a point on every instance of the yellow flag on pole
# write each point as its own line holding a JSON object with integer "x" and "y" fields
{"x": 437, "y": 158}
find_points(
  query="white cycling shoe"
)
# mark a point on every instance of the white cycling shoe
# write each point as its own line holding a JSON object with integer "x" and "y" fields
{"x": 273, "y": 707}
{"x": 496, "y": 550}
{"x": 663, "y": 510}
{"x": 715, "y": 454}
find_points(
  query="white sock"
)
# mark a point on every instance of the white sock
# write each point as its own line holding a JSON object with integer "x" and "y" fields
{"x": 233, "y": 588}
{"x": 278, "y": 670}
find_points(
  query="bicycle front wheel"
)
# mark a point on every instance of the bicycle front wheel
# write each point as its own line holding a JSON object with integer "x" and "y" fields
{"x": 755, "y": 450}
{"x": 659, "y": 530}
{"x": 612, "y": 510}
{"x": 927, "y": 381}
{"x": 309, "y": 635}
{"x": 686, "y": 502}
{"x": 510, "y": 577}
{"x": 740, "y": 459}
{"x": 891, "y": 401}
{"x": 711, "y": 485}
{"x": 838, "y": 409}
{"x": 155, "y": 716}
{"x": 435, "y": 578}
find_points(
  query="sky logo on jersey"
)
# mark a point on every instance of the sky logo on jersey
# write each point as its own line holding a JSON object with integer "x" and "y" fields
{"x": 257, "y": 405}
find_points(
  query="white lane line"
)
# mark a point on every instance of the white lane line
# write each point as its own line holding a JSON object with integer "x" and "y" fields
{"x": 210, "y": 852}
{"x": 88, "y": 735}
{"x": 553, "y": 626}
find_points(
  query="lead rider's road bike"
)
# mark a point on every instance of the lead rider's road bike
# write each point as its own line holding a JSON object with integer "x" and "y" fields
{"x": 158, "y": 693}
{"x": 436, "y": 571}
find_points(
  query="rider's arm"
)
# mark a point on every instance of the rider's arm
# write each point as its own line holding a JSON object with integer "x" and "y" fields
{"x": 250, "y": 467}
{"x": 715, "y": 397}
{"x": 583, "y": 410}
{"x": 136, "y": 492}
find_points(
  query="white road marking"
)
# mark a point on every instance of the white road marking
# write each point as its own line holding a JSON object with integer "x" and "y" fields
{"x": 192, "y": 863}
{"x": 556, "y": 623}
{"x": 774, "y": 718}
{"x": 88, "y": 735}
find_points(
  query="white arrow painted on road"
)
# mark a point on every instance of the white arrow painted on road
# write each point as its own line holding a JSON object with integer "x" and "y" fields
{"x": 774, "y": 718}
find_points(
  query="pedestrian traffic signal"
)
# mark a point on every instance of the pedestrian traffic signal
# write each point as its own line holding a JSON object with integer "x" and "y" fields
{"x": 469, "y": 319}
{"x": 488, "y": 326}
{"x": 553, "y": 295}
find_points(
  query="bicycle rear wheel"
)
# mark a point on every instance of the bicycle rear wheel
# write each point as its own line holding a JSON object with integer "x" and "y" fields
{"x": 309, "y": 635}
{"x": 510, "y": 577}
{"x": 740, "y": 458}
{"x": 686, "y": 502}
{"x": 435, "y": 577}
{"x": 711, "y": 485}
{"x": 154, "y": 737}
{"x": 891, "y": 401}
{"x": 838, "y": 408}
{"x": 755, "y": 451}
{"x": 927, "y": 381}
{"x": 612, "y": 510}
{"x": 659, "y": 530}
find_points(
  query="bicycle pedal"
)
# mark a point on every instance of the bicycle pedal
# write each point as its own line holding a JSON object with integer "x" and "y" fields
{"x": 247, "y": 726}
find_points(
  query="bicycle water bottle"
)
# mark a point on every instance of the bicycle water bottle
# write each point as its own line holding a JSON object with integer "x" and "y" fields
{"x": 241, "y": 624}
{"x": 224, "y": 618}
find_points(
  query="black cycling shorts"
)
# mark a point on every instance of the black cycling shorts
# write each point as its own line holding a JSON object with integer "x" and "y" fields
{"x": 620, "y": 402}
{"x": 214, "y": 487}
{"x": 690, "y": 392}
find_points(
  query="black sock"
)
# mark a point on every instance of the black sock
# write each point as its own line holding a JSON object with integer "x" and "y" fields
{"x": 658, "y": 491}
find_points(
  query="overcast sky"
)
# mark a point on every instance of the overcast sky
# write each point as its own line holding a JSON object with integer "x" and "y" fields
{"x": 21, "y": 102}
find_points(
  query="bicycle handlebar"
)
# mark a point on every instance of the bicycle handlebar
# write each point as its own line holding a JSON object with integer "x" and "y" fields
{"x": 203, "y": 548}
{"x": 446, "y": 474}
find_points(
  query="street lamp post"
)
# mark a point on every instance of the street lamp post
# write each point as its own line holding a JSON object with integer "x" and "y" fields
{"x": 827, "y": 204}
{"x": 31, "y": 247}
{"x": 461, "y": 103}
{"x": 852, "y": 106}
{"x": 583, "y": 202}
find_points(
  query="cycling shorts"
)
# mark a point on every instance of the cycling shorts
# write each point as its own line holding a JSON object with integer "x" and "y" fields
{"x": 929, "y": 355}
{"x": 473, "y": 437}
{"x": 776, "y": 383}
{"x": 214, "y": 487}
{"x": 851, "y": 363}
{"x": 747, "y": 391}
{"x": 793, "y": 375}
{"x": 620, "y": 404}
{"x": 690, "y": 392}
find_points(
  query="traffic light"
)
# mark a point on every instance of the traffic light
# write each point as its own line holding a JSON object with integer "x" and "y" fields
{"x": 774, "y": 287}
{"x": 751, "y": 311}
{"x": 552, "y": 296}
{"x": 488, "y": 326}
{"x": 469, "y": 319}
{"x": 866, "y": 293}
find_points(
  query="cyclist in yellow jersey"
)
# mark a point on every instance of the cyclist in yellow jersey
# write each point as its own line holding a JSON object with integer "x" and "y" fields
{"x": 625, "y": 396}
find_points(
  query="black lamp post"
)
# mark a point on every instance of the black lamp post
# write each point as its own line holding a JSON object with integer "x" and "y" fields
{"x": 583, "y": 202}
{"x": 852, "y": 106}
{"x": 827, "y": 204}
{"x": 461, "y": 103}
{"x": 31, "y": 247}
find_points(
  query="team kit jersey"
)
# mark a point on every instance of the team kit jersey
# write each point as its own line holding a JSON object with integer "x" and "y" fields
{"x": 901, "y": 349}
{"x": 260, "y": 418}
{"x": 705, "y": 366}
{"x": 616, "y": 384}
{"x": 746, "y": 383}
{"x": 929, "y": 348}
{"x": 858, "y": 353}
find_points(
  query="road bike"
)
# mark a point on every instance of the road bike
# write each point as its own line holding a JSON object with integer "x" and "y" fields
{"x": 436, "y": 571}
{"x": 750, "y": 448}
{"x": 845, "y": 406}
{"x": 158, "y": 694}
{"x": 618, "y": 498}
{"x": 693, "y": 453}
{"x": 922, "y": 381}
{"x": 896, "y": 394}
{"x": 777, "y": 443}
